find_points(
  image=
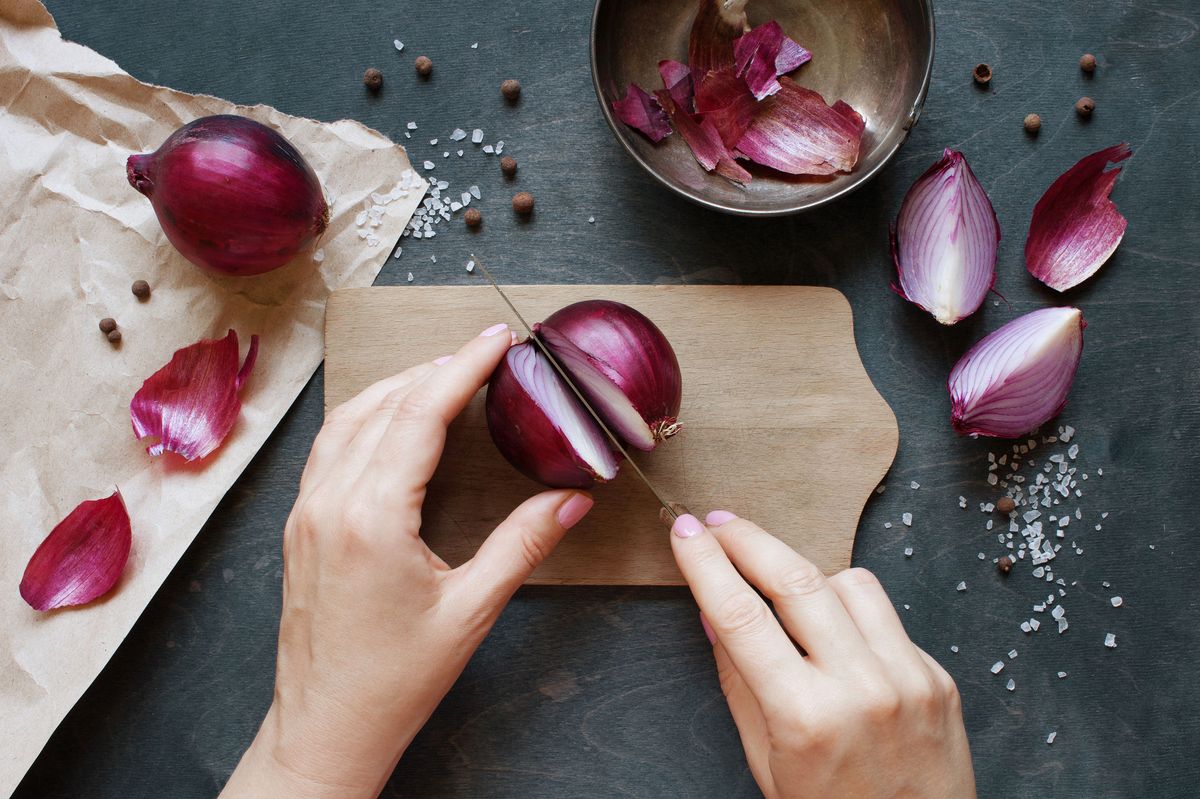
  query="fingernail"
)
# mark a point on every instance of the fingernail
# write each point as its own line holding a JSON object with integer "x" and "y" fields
{"x": 687, "y": 526}
{"x": 494, "y": 329}
{"x": 708, "y": 630}
{"x": 718, "y": 517}
{"x": 441, "y": 360}
{"x": 512, "y": 337}
{"x": 573, "y": 510}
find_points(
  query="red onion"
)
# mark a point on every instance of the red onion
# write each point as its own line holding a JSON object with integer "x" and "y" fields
{"x": 232, "y": 195}
{"x": 623, "y": 365}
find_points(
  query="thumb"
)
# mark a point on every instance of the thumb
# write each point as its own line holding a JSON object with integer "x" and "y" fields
{"x": 522, "y": 542}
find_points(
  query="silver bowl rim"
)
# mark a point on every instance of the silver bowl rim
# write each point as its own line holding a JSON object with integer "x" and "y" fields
{"x": 862, "y": 178}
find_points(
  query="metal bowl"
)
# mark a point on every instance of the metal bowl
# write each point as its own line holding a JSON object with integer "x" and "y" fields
{"x": 877, "y": 55}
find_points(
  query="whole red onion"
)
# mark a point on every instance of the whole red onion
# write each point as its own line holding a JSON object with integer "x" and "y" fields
{"x": 232, "y": 195}
{"x": 622, "y": 364}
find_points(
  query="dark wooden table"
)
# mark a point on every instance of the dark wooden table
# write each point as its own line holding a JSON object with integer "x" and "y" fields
{"x": 601, "y": 692}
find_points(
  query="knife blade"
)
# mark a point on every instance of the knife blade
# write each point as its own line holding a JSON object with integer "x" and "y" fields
{"x": 672, "y": 508}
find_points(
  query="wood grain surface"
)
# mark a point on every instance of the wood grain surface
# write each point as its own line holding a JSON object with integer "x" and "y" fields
{"x": 594, "y": 692}
{"x": 779, "y": 419}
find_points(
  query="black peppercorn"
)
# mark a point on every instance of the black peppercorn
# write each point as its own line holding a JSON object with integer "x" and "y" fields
{"x": 373, "y": 79}
{"x": 1084, "y": 106}
{"x": 1087, "y": 62}
{"x": 424, "y": 66}
{"x": 141, "y": 289}
{"x": 473, "y": 218}
{"x": 523, "y": 203}
{"x": 108, "y": 324}
{"x": 508, "y": 165}
{"x": 511, "y": 90}
{"x": 982, "y": 74}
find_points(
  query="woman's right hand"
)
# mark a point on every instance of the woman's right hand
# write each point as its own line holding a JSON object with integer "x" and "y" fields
{"x": 862, "y": 712}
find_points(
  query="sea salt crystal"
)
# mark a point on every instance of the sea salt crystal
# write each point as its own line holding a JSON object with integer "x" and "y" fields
{"x": 411, "y": 126}
{"x": 1035, "y": 624}
{"x": 429, "y": 165}
{"x": 998, "y": 667}
{"x": 887, "y": 525}
{"x": 1110, "y": 640}
{"x": 399, "y": 251}
{"x": 954, "y": 648}
{"x": 591, "y": 220}
{"x": 1058, "y": 612}
{"x": 319, "y": 255}
{"x": 470, "y": 266}
{"x": 907, "y": 519}
{"x": 1026, "y": 627}
{"x": 410, "y": 277}
{"x": 962, "y": 586}
{"x": 458, "y": 135}
{"x": 908, "y": 552}
{"x": 489, "y": 149}
{"x": 1117, "y": 601}
{"x": 466, "y": 198}
{"x": 455, "y": 206}
{"x": 879, "y": 489}
{"x": 1012, "y": 653}
{"x": 476, "y": 136}
{"x": 1050, "y": 738}
{"x": 1073, "y": 451}
{"x": 475, "y": 46}
{"x": 1062, "y": 626}
{"x": 914, "y": 485}
{"x": 475, "y": 193}
{"x": 399, "y": 45}
{"x": 1012, "y": 684}
{"x": 460, "y": 153}
{"x": 992, "y": 479}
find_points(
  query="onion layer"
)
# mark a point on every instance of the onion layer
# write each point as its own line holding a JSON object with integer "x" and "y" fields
{"x": 1019, "y": 376}
{"x": 232, "y": 195}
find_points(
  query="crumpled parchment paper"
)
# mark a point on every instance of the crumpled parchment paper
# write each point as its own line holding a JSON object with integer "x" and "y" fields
{"x": 74, "y": 235}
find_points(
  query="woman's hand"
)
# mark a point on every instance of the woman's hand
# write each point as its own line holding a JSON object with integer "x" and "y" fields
{"x": 861, "y": 713}
{"x": 376, "y": 627}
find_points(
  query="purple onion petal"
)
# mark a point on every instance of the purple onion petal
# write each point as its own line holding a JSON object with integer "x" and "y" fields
{"x": 678, "y": 80}
{"x": 765, "y": 53}
{"x": 704, "y": 140}
{"x": 794, "y": 131}
{"x": 643, "y": 113}
{"x": 723, "y": 99}
{"x": 1019, "y": 376}
{"x": 82, "y": 558}
{"x": 717, "y": 25}
{"x": 1075, "y": 226}
{"x": 945, "y": 241}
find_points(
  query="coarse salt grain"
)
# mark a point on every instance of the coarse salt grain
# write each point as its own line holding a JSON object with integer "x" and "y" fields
{"x": 470, "y": 266}
{"x": 954, "y": 649}
{"x": 998, "y": 667}
{"x": 458, "y": 134}
{"x": 914, "y": 485}
{"x": 429, "y": 165}
{"x": 1012, "y": 684}
{"x": 410, "y": 277}
{"x": 477, "y": 136}
{"x": 1050, "y": 738}
{"x": 1110, "y": 640}
{"x": 399, "y": 45}
{"x": 1062, "y": 675}
{"x": 1117, "y": 601}
{"x": 962, "y": 586}
{"x": 1012, "y": 654}
{"x": 908, "y": 552}
{"x": 411, "y": 126}
{"x": 907, "y": 519}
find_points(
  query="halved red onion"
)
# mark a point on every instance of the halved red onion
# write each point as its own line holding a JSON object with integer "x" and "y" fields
{"x": 1075, "y": 226}
{"x": 704, "y": 140}
{"x": 624, "y": 366}
{"x": 82, "y": 558}
{"x": 718, "y": 24}
{"x": 539, "y": 425}
{"x": 232, "y": 195}
{"x": 765, "y": 53}
{"x": 192, "y": 403}
{"x": 642, "y": 112}
{"x": 794, "y": 131}
{"x": 1018, "y": 377}
{"x": 945, "y": 241}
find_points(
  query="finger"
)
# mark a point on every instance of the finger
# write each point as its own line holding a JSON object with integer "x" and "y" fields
{"x": 411, "y": 445}
{"x": 873, "y": 615}
{"x": 758, "y": 647}
{"x": 518, "y": 546}
{"x": 343, "y": 423}
{"x": 747, "y": 714}
{"x": 809, "y": 608}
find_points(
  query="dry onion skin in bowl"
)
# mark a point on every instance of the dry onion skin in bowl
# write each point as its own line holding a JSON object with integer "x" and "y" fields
{"x": 622, "y": 364}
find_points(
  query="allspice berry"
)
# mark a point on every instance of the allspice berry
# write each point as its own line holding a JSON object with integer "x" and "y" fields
{"x": 424, "y": 66}
{"x": 1005, "y": 564}
{"x": 114, "y": 336}
{"x": 982, "y": 74}
{"x": 523, "y": 203}
{"x": 108, "y": 324}
{"x": 1087, "y": 62}
{"x": 508, "y": 165}
{"x": 1006, "y": 505}
{"x": 1033, "y": 123}
{"x": 373, "y": 79}
{"x": 1084, "y": 106}
{"x": 140, "y": 289}
{"x": 473, "y": 218}
{"x": 511, "y": 90}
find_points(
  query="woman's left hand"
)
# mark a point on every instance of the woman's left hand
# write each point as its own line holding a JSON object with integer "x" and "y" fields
{"x": 375, "y": 627}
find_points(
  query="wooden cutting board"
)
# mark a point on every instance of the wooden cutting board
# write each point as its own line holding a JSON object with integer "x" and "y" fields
{"x": 781, "y": 422}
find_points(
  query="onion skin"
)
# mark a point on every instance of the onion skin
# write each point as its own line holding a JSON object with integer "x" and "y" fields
{"x": 525, "y": 434}
{"x": 630, "y": 351}
{"x": 232, "y": 195}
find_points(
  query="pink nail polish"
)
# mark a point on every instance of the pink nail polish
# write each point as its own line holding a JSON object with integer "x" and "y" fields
{"x": 687, "y": 526}
{"x": 708, "y": 630}
{"x": 571, "y": 512}
{"x": 494, "y": 329}
{"x": 718, "y": 517}
{"x": 441, "y": 360}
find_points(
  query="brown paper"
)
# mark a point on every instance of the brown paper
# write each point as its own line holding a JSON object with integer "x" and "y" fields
{"x": 73, "y": 237}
